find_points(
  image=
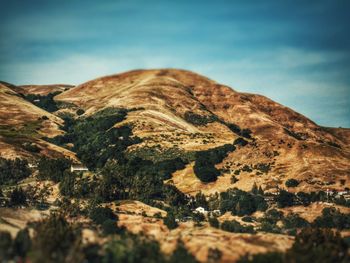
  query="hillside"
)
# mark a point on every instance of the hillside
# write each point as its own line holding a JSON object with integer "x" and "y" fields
{"x": 179, "y": 168}
{"x": 182, "y": 111}
{"x": 41, "y": 89}
{"x": 23, "y": 125}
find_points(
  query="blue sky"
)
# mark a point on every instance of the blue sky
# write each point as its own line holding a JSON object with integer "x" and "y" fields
{"x": 295, "y": 52}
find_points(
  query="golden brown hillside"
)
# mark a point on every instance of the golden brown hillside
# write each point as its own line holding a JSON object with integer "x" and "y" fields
{"x": 23, "y": 124}
{"x": 177, "y": 109}
{"x": 41, "y": 89}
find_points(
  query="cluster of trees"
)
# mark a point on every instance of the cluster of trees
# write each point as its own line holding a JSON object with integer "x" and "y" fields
{"x": 12, "y": 171}
{"x": 332, "y": 218}
{"x": 55, "y": 240}
{"x": 95, "y": 139}
{"x": 292, "y": 183}
{"x": 204, "y": 167}
{"x": 311, "y": 245}
{"x": 241, "y": 203}
{"x": 197, "y": 119}
{"x": 31, "y": 147}
{"x": 236, "y": 227}
{"x": 45, "y": 102}
{"x": 53, "y": 169}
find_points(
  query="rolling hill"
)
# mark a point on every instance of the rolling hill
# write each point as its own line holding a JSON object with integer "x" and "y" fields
{"x": 177, "y": 109}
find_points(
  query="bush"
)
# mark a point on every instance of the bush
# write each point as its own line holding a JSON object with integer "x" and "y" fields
{"x": 214, "y": 222}
{"x": 332, "y": 218}
{"x": 181, "y": 254}
{"x": 204, "y": 167}
{"x": 45, "y": 102}
{"x": 22, "y": 243}
{"x": 318, "y": 245}
{"x": 5, "y": 246}
{"x": 236, "y": 227}
{"x": 241, "y": 203}
{"x": 292, "y": 183}
{"x": 240, "y": 141}
{"x": 53, "y": 240}
{"x": 169, "y": 221}
{"x": 18, "y": 197}
{"x": 197, "y": 119}
{"x": 53, "y": 169}
{"x": 284, "y": 199}
{"x": 31, "y": 147}
{"x": 100, "y": 214}
{"x": 294, "y": 221}
{"x": 12, "y": 171}
{"x": 80, "y": 112}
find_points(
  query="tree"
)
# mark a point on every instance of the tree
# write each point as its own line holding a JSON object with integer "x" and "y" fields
{"x": 22, "y": 243}
{"x": 67, "y": 184}
{"x": 292, "y": 183}
{"x": 12, "y": 171}
{"x": 53, "y": 169}
{"x": 100, "y": 214}
{"x": 18, "y": 197}
{"x": 5, "y": 246}
{"x": 285, "y": 199}
{"x": 181, "y": 254}
{"x": 214, "y": 222}
{"x": 80, "y": 112}
{"x": 169, "y": 221}
{"x": 54, "y": 239}
{"x": 254, "y": 189}
{"x": 318, "y": 245}
{"x": 236, "y": 227}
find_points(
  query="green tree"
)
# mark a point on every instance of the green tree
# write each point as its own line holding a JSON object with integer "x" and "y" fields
{"x": 54, "y": 239}
{"x": 5, "y": 246}
{"x": 18, "y": 197}
{"x": 214, "y": 222}
{"x": 292, "y": 183}
{"x": 284, "y": 199}
{"x": 318, "y": 245}
{"x": 181, "y": 254}
{"x": 169, "y": 221}
{"x": 22, "y": 243}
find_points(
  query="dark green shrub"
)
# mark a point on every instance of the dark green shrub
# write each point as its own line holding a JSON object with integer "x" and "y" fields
{"x": 53, "y": 240}
{"x": 18, "y": 197}
{"x": 80, "y": 112}
{"x": 100, "y": 214}
{"x": 6, "y": 249}
{"x": 181, "y": 254}
{"x": 294, "y": 221}
{"x": 214, "y": 222}
{"x": 236, "y": 227}
{"x": 240, "y": 141}
{"x": 169, "y": 221}
{"x": 284, "y": 199}
{"x": 292, "y": 183}
{"x": 22, "y": 243}
{"x": 204, "y": 167}
{"x": 12, "y": 171}
{"x": 53, "y": 169}
{"x": 197, "y": 119}
{"x": 45, "y": 102}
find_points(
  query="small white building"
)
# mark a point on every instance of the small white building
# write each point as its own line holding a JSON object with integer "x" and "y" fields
{"x": 200, "y": 210}
{"x": 78, "y": 168}
{"x": 32, "y": 165}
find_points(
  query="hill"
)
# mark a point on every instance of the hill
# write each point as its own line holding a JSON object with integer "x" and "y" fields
{"x": 23, "y": 125}
{"x": 177, "y": 110}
